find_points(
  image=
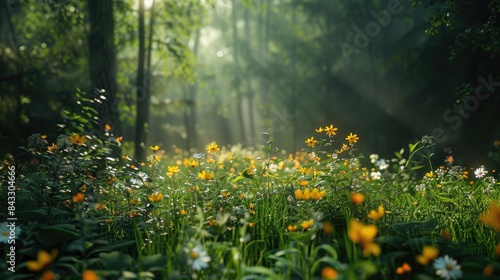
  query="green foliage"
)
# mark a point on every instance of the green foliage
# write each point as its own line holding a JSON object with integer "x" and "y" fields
{"x": 242, "y": 214}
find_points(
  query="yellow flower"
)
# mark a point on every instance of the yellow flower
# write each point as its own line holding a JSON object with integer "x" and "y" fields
{"x": 292, "y": 228}
{"x": 305, "y": 170}
{"x": 44, "y": 259}
{"x": 429, "y": 174}
{"x": 319, "y": 130}
{"x": 154, "y": 148}
{"x": 329, "y": 273}
{"x": 100, "y": 207}
{"x": 183, "y": 212}
{"x": 371, "y": 249}
{"x": 107, "y": 127}
{"x": 357, "y": 198}
{"x": 360, "y": 233}
{"x": 89, "y": 275}
{"x": 316, "y": 194}
{"x": 193, "y": 163}
{"x": 78, "y": 198}
{"x": 173, "y": 169}
{"x": 302, "y": 195}
{"x": 429, "y": 253}
{"x": 251, "y": 208}
{"x": 352, "y": 138}
{"x": 492, "y": 216}
{"x": 155, "y": 197}
{"x": 204, "y": 175}
{"x": 311, "y": 142}
{"x": 307, "y": 224}
{"x": 225, "y": 193}
{"x": 303, "y": 183}
{"x": 134, "y": 214}
{"x": 212, "y": 148}
{"x": 330, "y": 130}
{"x": 375, "y": 215}
{"x": 77, "y": 139}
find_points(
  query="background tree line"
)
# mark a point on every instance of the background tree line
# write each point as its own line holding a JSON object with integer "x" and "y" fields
{"x": 189, "y": 72}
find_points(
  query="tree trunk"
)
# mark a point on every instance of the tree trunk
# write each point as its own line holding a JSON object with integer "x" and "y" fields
{"x": 102, "y": 61}
{"x": 142, "y": 93}
{"x": 237, "y": 81}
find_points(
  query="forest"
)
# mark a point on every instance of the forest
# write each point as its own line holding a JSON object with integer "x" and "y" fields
{"x": 250, "y": 139}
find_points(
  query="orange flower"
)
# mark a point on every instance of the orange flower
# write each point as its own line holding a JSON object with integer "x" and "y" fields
{"x": 183, "y": 212}
{"x": 107, "y": 127}
{"x": 488, "y": 270}
{"x": 50, "y": 149}
{"x": 48, "y": 275}
{"x": 327, "y": 227}
{"x": 329, "y": 273}
{"x": 492, "y": 216}
{"x": 78, "y": 198}
{"x": 89, "y": 275}
{"x": 77, "y": 139}
{"x": 404, "y": 268}
{"x": 429, "y": 253}
{"x": 357, "y": 198}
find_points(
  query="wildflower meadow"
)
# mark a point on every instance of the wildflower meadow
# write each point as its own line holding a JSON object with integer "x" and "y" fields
{"x": 323, "y": 212}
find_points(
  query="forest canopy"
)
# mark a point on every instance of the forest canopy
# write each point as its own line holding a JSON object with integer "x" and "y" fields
{"x": 181, "y": 73}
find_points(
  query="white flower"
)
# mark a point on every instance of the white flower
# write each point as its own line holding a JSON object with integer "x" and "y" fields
{"x": 5, "y": 232}
{"x": 447, "y": 268}
{"x": 373, "y": 158}
{"x": 273, "y": 167}
{"x": 375, "y": 175}
{"x": 420, "y": 188}
{"x": 383, "y": 164}
{"x": 480, "y": 172}
{"x": 197, "y": 258}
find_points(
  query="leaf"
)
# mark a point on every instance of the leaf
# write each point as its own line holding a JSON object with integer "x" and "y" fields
{"x": 116, "y": 261}
{"x": 110, "y": 247}
{"x": 411, "y": 147}
{"x": 153, "y": 263}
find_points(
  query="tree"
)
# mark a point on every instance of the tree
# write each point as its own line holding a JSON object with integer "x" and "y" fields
{"x": 102, "y": 61}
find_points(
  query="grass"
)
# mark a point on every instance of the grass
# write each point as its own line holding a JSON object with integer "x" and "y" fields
{"x": 235, "y": 213}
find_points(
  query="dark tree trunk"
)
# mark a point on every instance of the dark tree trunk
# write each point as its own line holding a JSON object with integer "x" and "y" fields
{"x": 143, "y": 94}
{"x": 102, "y": 61}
